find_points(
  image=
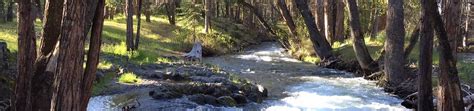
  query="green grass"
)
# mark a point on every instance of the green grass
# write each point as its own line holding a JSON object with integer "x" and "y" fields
{"x": 129, "y": 78}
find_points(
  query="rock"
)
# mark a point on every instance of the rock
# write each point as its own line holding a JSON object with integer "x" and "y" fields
{"x": 164, "y": 93}
{"x": 175, "y": 76}
{"x": 226, "y": 101}
{"x": 212, "y": 79}
{"x": 239, "y": 98}
{"x": 202, "y": 99}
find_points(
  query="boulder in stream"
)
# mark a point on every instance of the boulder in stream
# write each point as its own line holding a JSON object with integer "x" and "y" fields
{"x": 226, "y": 101}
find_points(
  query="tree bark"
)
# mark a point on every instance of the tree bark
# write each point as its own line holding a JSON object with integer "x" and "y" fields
{"x": 339, "y": 21}
{"x": 139, "y": 19}
{"x": 2, "y": 12}
{"x": 171, "y": 11}
{"x": 285, "y": 13}
{"x": 10, "y": 11}
{"x": 42, "y": 84}
{"x": 329, "y": 19}
{"x": 362, "y": 53}
{"x": 320, "y": 17}
{"x": 26, "y": 56}
{"x": 449, "y": 95}
{"x": 207, "y": 8}
{"x": 129, "y": 12}
{"x": 93, "y": 54}
{"x": 452, "y": 21}
{"x": 393, "y": 67}
{"x": 320, "y": 45}
{"x": 68, "y": 83}
{"x": 425, "y": 91}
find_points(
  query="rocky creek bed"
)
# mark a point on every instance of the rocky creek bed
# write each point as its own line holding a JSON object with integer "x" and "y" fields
{"x": 177, "y": 85}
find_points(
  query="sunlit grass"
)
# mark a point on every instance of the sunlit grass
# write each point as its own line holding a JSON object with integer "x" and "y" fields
{"x": 130, "y": 78}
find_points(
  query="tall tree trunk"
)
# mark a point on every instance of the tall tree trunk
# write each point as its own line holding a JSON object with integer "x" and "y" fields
{"x": 207, "y": 8}
{"x": 129, "y": 12}
{"x": 42, "y": 84}
{"x": 452, "y": 20}
{"x": 320, "y": 17}
{"x": 449, "y": 95}
{"x": 139, "y": 19}
{"x": 26, "y": 56}
{"x": 2, "y": 12}
{"x": 339, "y": 21}
{"x": 362, "y": 53}
{"x": 467, "y": 25}
{"x": 67, "y": 93}
{"x": 375, "y": 25}
{"x": 10, "y": 11}
{"x": 171, "y": 11}
{"x": 425, "y": 91}
{"x": 394, "y": 69}
{"x": 320, "y": 45}
{"x": 329, "y": 19}
{"x": 93, "y": 54}
{"x": 285, "y": 13}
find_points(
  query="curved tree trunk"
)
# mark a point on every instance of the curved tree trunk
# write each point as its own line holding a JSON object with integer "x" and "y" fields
{"x": 393, "y": 67}
{"x": 449, "y": 95}
{"x": 285, "y": 13}
{"x": 320, "y": 45}
{"x": 42, "y": 84}
{"x": 362, "y": 53}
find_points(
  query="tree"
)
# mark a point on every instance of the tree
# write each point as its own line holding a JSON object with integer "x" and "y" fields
{"x": 452, "y": 21}
{"x": 93, "y": 54}
{"x": 147, "y": 11}
{"x": 339, "y": 21}
{"x": 362, "y": 53}
{"x": 329, "y": 19}
{"x": 449, "y": 96}
{"x": 320, "y": 45}
{"x": 129, "y": 12}
{"x": 393, "y": 68}
{"x": 171, "y": 11}
{"x": 139, "y": 19}
{"x": 320, "y": 16}
{"x": 72, "y": 85}
{"x": 2, "y": 12}
{"x": 425, "y": 91}
{"x": 10, "y": 14}
{"x": 285, "y": 13}
{"x": 207, "y": 8}
{"x": 42, "y": 84}
{"x": 26, "y": 56}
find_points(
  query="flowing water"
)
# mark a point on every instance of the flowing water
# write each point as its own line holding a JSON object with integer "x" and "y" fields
{"x": 292, "y": 85}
